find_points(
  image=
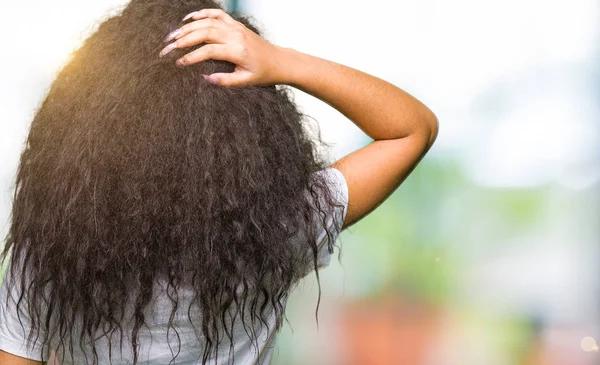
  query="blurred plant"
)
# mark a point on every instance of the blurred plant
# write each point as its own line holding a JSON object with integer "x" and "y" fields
{"x": 403, "y": 245}
{"x": 421, "y": 239}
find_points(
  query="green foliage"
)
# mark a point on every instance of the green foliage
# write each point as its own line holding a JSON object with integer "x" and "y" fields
{"x": 418, "y": 241}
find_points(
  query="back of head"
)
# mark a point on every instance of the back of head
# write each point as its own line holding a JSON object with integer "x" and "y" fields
{"x": 136, "y": 169}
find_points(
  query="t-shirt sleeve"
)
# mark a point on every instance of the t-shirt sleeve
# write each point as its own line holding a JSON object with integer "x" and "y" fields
{"x": 14, "y": 327}
{"x": 339, "y": 189}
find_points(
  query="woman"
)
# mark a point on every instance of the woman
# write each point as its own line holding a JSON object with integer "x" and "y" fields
{"x": 168, "y": 199}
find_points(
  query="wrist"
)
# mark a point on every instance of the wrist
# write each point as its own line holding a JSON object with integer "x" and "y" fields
{"x": 289, "y": 66}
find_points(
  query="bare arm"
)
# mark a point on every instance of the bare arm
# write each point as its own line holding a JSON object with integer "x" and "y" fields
{"x": 403, "y": 128}
{"x": 10, "y": 359}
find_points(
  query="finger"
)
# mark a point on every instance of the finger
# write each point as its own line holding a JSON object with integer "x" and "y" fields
{"x": 206, "y": 35}
{"x": 227, "y": 79}
{"x": 210, "y": 13}
{"x": 203, "y": 35}
{"x": 218, "y": 52}
{"x": 196, "y": 25}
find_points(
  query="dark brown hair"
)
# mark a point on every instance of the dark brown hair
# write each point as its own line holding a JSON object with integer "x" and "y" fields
{"x": 135, "y": 168}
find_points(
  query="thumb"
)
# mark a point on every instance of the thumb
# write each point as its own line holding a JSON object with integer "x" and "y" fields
{"x": 226, "y": 79}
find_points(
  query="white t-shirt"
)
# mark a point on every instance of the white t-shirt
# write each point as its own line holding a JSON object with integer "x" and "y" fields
{"x": 155, "y": 348}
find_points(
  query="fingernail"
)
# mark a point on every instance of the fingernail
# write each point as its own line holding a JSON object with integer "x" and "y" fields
{"x": 189, "y": 16}
{"x": 211, "y": 79}
{"x": 180, "y": 62}
{"x": 167, "y": 49}
{"x": 173, "y": 34}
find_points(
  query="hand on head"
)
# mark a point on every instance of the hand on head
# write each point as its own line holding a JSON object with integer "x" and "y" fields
{"x": 226, "y": 39}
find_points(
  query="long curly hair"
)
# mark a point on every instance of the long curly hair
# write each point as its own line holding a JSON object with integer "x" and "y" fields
{"x": 135, "y": 169}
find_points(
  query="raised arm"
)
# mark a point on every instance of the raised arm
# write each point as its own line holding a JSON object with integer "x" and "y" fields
{"x": 403, "y": 128}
